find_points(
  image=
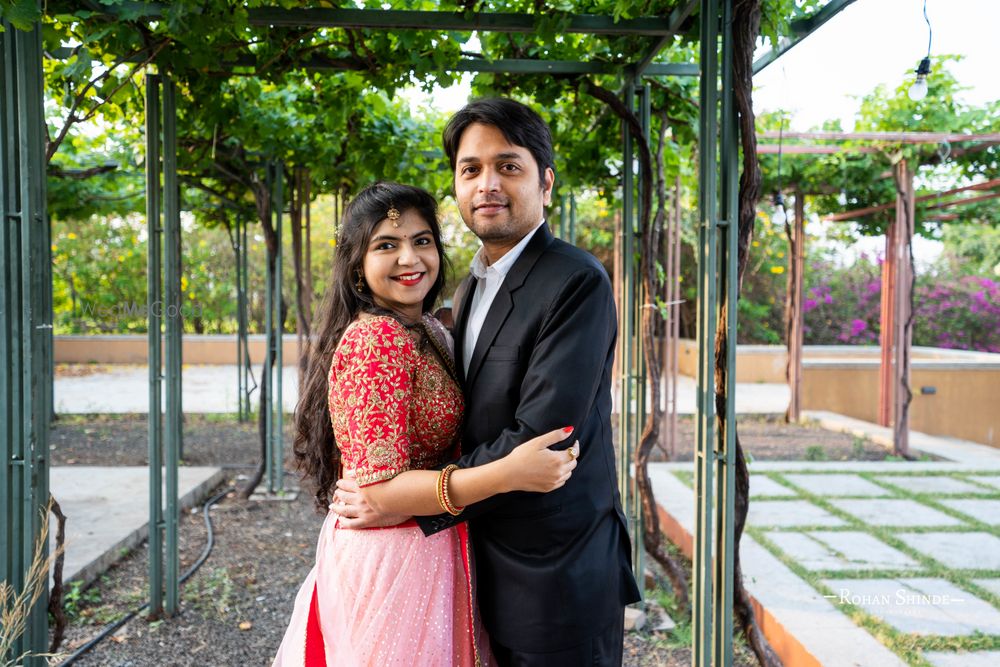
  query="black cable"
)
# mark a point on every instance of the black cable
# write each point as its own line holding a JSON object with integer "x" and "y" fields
{"x": 930, "y": 34}
{"x": 206, "y": 552}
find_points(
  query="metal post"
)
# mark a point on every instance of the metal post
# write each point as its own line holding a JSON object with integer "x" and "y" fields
{"x": 154, "y": 324}
{"x": 50, "y": 364}
{"x": 572, "y": 218}
{"x": 268, "y": 375}
{"x": 245, "y": 315}
{"x": 25, "y": 326}
{"x": 725, "y": 456}
{"x": 279, "y": 422}
{"x": 173, "y": 327}
{"x": 238, "y": 253}
{"x": 706, "y": 321}
{"x": 563, "y": 217}
{"x": 638, "y": 339}
{"x": 625, "y": 322}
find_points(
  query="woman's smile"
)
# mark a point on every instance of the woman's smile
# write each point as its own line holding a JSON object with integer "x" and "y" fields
{"x": 410, "y": 279}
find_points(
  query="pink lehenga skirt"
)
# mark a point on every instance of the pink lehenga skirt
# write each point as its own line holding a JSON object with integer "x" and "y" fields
{"x": 386, "y": 596}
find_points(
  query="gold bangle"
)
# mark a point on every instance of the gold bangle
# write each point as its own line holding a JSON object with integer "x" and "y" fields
{"x": 445, "y": 476}
{"x": 438, "y": 491}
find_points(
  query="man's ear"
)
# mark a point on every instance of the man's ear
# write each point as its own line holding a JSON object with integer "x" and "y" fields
{"x": 550, "y": 180}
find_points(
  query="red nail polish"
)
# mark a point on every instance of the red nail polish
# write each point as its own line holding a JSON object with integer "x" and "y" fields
{"x": 567, "y": 429}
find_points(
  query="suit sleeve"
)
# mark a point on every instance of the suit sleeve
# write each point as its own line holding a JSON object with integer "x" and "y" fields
{"x": 562, "y": 379}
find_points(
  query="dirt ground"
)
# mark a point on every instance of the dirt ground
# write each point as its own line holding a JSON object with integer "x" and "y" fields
{"x": 235, "y": 608}
{"x": 769, "y": 438}
{"x": 221, "y": 440}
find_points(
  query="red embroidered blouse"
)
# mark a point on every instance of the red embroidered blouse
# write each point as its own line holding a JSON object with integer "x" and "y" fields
{"x": 393, "y": 407}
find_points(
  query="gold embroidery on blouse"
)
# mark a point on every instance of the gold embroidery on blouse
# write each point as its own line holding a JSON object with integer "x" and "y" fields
{"x": 393, "y": 407}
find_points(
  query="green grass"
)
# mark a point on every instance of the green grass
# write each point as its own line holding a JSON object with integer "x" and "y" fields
{"x": 212, "y": 593}
{"x": 815, "y": 453}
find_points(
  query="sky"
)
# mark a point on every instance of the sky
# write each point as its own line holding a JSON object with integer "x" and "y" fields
{"x": 881, "y": 41}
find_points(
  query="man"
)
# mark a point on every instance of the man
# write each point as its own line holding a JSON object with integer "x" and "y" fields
{"x": 535, "y": 330}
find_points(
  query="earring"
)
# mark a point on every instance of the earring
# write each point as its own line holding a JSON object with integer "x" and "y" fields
{"x": 360, "y": 285}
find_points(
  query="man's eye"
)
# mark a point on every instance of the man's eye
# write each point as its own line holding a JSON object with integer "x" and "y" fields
{"x": 469, "y": 170}
{"x": 510, "y": 167}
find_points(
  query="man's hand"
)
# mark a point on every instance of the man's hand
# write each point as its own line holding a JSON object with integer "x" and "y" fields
{"x": 354, "y": 512}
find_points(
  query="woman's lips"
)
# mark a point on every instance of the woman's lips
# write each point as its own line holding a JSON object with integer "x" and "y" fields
{"x": 409, "y": 279}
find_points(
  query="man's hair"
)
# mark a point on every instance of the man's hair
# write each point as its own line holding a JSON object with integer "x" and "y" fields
{"x": 519, "y": 124}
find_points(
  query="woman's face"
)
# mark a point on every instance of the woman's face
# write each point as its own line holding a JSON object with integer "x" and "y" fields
{"x": 401, "y": 264}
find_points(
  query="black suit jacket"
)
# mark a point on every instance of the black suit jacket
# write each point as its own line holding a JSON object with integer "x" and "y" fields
{"x": 552, "y": 569}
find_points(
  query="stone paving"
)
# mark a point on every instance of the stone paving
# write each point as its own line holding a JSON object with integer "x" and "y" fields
{"x": 977, "y": 659}
{"x": 922, "y": 606}
{"x": 908, "y": 553}
{"x": 847, "y": 550}
{"x": 124, "y": 388}
{"x": 107, "y": 511}
{"x": 967, "y": 551}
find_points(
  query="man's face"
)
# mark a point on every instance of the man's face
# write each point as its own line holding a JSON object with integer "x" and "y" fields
{"x": 497, "y": 187}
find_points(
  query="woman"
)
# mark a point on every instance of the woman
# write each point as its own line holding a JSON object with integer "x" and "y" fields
{"x": 381, "y": 399}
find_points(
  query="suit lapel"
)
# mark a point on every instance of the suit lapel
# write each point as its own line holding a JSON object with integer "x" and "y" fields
{"x": 503, "y": 303}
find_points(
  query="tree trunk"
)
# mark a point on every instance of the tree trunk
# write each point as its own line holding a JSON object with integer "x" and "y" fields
{"x": 795, "y": 232}
{"x": 56, "y": 597}
{"x": 903, "y": 310}
{"x": 745, "y": 27}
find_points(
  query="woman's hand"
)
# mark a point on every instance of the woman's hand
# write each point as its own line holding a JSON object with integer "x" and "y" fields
{"x": 534, "y": 467}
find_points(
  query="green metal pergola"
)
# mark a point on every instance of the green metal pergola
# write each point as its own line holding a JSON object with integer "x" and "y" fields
{"x": 25, "y": 277}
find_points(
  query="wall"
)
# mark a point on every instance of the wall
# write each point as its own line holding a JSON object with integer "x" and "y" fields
{"x": 964, "y": 404}
{"x": 196, "y": 349}
{"x": 844, "y": 379}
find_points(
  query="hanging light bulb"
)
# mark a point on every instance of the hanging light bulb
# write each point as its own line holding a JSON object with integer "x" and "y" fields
{"x": 779, "y": 217}
{"x": 918, "y": 90}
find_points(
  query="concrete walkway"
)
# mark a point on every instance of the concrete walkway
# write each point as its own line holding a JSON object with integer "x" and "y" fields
{"x": 107, "y": 511}
{"x": 125, "y": 388}
{"x": 923, "y": 536}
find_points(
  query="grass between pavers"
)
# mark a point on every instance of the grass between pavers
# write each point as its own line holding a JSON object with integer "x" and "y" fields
{"x": 909, "y": 647}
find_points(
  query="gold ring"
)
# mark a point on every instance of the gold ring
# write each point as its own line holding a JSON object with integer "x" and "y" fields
{"x": 572, "y": 454}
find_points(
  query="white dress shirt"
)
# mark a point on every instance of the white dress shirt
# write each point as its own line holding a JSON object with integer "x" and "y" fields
{"x": 488, "y": 281}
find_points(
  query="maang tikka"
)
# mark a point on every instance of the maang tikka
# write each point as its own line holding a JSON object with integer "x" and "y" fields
{"x": 393, "y": 215}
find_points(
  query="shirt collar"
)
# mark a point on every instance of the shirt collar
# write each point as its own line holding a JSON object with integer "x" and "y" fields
{"x": 504, "y": 264}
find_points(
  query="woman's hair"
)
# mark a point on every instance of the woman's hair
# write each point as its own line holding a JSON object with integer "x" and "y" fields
{"x": 316, "y": 453}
